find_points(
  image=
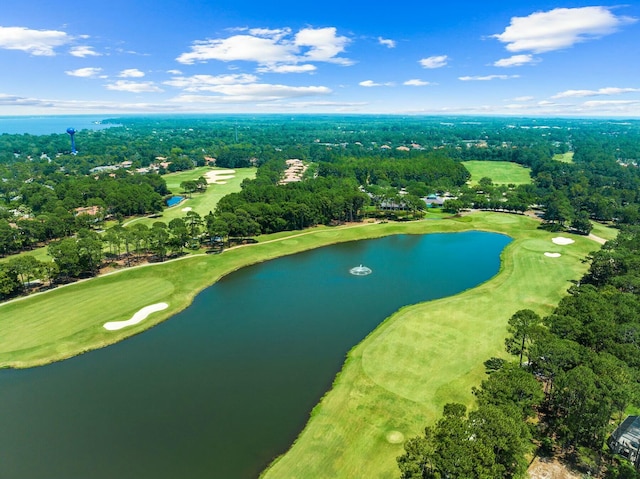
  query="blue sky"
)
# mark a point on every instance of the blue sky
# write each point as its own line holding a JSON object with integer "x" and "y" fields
{"x": 406, "y": 57}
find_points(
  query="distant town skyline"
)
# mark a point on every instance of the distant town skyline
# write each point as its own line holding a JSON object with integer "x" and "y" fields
{"x": 168, "y": 56}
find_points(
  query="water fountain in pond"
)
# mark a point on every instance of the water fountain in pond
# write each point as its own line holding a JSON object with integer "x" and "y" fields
{"x": 360, "y": 271}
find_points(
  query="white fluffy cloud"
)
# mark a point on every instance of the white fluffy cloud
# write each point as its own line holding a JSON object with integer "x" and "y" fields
{"x": 437, "y": 61}
{"x": 88, "y": 72}
{"x": 515, "y": 61}
{"x": 416, "y": 82}
{"x": 272, "y": 49}
{"x": 35, "y": 42}
{"x": 131, "y": 73}
{"x": 559, "y": 28}
{"x": 304, "y": 68}
{"x": 252, "y": 92}
{"x": 265, "y": 90}
{"x": 83, "y": 51}
{"x": 13, "y": 100}
{"x": 323, "y": 45}
{"x": 601, "y": 91}
{"x": 133, "y": 87}
{"x": 488, "y": 77}
{"x": 610, "y": 103}
{"x": 387, "y": 42}
{"x": 371, "y": 83}
{"x": 239, "y": 47}
{"x": 198, "y": 83}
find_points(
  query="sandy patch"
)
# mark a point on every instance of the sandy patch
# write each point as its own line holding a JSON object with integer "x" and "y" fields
{"x": 562, "y": 240}
{"x": 395, "y": 437}
{"x": 219, "y": 177}
{"x": 136, "y": 318}
{"x": 552, "y": 255}
{"x": 550, "y": 469}
{"x": 187, "y": 208}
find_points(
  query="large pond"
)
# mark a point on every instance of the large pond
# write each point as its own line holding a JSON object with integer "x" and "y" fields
{"x": 226, "y": 385}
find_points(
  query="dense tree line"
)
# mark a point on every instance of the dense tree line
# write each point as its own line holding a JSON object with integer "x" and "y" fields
{"x": 340, "y": 192}
{"x": 296, "y": 205}
{"x": 435, "y": 170}
{"x": 487, "y": 443}
{"x": 587, "y": 352}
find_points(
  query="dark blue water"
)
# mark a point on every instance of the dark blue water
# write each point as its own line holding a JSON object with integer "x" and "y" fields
{"x": 46, "y": 125}
{"x": 174, "y": 200}
{"x": 223, "y": 387}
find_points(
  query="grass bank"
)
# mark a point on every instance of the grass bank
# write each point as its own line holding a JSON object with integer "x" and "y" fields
{"x": 500, "y": 172}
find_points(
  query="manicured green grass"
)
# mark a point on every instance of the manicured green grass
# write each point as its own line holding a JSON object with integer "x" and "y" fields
{"x": 41, "y": 254}
{"x": 564, "y": 157}
{"x": 603, "y": 231}
{"x": 201, "y": 203}
{"x": 399, "y": 378}
{"x": 396, "y": 380}
{"x": 500, "y": 172}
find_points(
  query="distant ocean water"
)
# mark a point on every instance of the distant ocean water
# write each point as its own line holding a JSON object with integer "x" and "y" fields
{"x": 46, "y": 125}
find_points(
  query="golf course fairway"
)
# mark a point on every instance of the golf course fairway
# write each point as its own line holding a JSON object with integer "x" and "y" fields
{"x": 393, "y": 383}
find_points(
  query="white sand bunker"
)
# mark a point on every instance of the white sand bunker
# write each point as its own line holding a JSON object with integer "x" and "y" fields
{"x": 219, "y": 177}
{"x": 395, "y": 437}
{"x": 553, "y": 255}
{"x": 188, "y": 208}
{"x": 562, "y": 241}
{"x": 136, "y": 318}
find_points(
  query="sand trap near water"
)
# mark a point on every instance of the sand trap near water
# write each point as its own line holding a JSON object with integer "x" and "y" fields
{"x": 562, "y": 241}
{"x": 136, "y": 318}
{"x": 219, "y": 177}
{"x": 188, "y": 208}
{"x": 553, "y": 255}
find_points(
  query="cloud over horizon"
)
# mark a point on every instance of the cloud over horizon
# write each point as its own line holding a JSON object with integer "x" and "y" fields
{"x": 437, "y": 61}
{"x": 488, "y": 77}
{"x": 559, "y": 28}
{"x": 131, "y": 73}
{"x": 416, "y": 82}
{"x": 243, "y": 93}
{"x": 82, "y": 51}
{"x": 87, "y": 72}
{"x": 134, "y": 87}
{"x": 387, "y": 42}
{"x": 371, "y": 83}
{"x": 515, "y": 61}
{"x": 599, "y": 92}
{"x": 35, "y": 42}
{"x": 274, "y": 50}
{"x": 198, "y": 83}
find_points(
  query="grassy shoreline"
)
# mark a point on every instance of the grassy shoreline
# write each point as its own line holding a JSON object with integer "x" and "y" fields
{"x": 392, "y": 384}
{"x": 61, "y": 323}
